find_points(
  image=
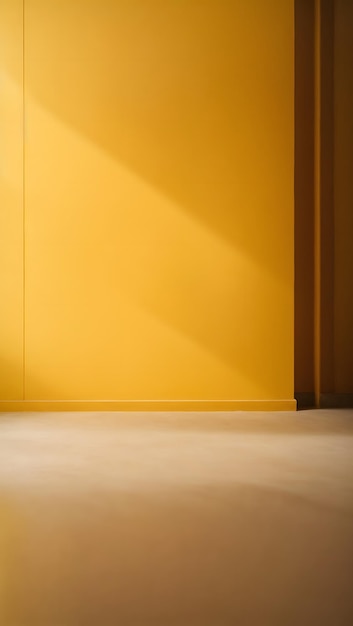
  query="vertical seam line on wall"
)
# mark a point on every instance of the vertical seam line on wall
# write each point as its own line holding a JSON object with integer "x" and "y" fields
{"x": 317, "y": 205}
{"x": 327, "y": 364}
{"x": 23, "y": 209}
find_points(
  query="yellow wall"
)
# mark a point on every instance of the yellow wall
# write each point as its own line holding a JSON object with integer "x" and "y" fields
{"x": 11, "y": 200}
{"x": 343, "y": 189}
{"x": 158, "y": 200}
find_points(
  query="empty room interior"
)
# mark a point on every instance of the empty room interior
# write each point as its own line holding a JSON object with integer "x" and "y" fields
{"x": 176, "y": 312}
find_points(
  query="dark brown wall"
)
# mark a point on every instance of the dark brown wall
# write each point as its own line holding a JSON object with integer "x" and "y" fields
{"x": 324, "y": 238}
{"x": 304, "y": 195}
{"x": 343, "y": 196}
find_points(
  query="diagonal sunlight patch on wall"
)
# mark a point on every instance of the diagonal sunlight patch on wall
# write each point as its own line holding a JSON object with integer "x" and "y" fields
{"x": 196, "y": 98}
{"x": 128, "y": 296}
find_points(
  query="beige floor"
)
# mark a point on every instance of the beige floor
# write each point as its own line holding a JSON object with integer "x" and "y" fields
{"x": 176, "y": 519}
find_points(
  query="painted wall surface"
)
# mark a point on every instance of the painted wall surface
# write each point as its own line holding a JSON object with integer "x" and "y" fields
{"x": 11, "y": 200}
{"x": 343, "y": 189}
{"x": 159, "y": 200}
{"x": 333, "y": 224}
{"x": 304, "y": 184}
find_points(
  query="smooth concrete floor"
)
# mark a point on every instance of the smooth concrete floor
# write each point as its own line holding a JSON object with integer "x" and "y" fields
{"x": 176, "y": 519}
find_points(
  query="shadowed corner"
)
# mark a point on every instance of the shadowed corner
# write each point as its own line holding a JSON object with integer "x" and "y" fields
{"x": 13, "y": 385}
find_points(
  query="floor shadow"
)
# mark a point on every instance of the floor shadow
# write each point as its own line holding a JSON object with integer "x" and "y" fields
{"x": 204, "y": 556}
